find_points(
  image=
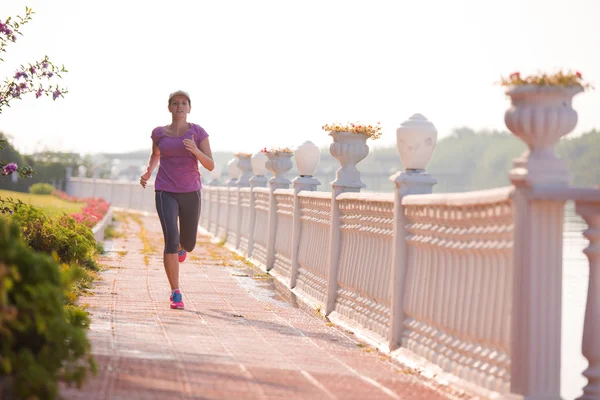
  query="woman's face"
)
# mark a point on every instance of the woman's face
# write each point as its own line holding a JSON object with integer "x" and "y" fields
{"x": 179, "y": 106}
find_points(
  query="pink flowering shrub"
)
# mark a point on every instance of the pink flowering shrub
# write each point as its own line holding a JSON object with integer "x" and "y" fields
{"x": 94, "y": 210}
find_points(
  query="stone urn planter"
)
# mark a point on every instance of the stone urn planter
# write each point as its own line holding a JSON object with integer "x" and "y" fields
{"x": 349, "y": 149}
{"x": 540, "y": 116}
{"x": 279, "y": 163}
{"x": 245, "y": 165}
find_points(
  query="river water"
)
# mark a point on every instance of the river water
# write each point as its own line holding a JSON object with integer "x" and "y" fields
{"x": 575, "y": 287}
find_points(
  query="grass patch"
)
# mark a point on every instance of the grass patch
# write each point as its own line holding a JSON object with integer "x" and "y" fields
{"x": 50, "y": 205}
{"x": 110, "y": 232}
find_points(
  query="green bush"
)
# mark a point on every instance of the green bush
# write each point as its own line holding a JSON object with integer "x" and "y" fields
{"x": 42, "y": 338}
{"x": 73, "y": 242}
{"x": 41, "y": 188}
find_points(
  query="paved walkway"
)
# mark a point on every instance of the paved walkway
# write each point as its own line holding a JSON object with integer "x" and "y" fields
{"x": 238, "y": 338}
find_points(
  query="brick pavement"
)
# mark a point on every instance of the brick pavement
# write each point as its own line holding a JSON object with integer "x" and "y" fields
{"x": 237, "y": 338}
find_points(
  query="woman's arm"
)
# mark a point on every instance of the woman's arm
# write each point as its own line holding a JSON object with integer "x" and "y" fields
{"x": 152, "y": 163}
{"x": 202, "y": 153}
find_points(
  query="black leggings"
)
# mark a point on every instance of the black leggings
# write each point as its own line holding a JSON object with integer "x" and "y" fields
{"x": 186, "y": 208}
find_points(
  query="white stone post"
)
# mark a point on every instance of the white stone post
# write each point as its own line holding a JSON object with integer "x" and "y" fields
{"x": 245, "y": 167}
{"x": 258, "y": 161}
{"x": 349, "y": 149}
{"x": 234, "y": 174}
{"x": 307, "y": 157}
{"x": 590, "y": 212}
{"x": 279, "y": 163}
{"x": 209, "y": 200}
{"x": 205, "y": 207}
{"x": 539, "y": 116}
{"x": 416, "y": 139}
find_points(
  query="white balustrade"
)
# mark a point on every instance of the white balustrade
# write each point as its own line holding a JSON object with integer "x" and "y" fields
{"x": 458, "y": 283}
{"x": 222, "y": 220}
{"x": 284, "y": 203}
{"x": 366, "y": 229}
{"x": 279, "y": 163}
{"x": 469, "y": 282}
{"x": 213, "y": 215}
{"x": 310, "y": 280}
{"x": 233, "y": 216}
{"x": 258, "y": 248}
{"x": 243, "y": 235}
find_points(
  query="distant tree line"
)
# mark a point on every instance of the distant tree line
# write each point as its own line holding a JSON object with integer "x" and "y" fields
{"x": 463, "y": 161}
{"x": 49, "y": 167}
{"x": 469, "y": 160}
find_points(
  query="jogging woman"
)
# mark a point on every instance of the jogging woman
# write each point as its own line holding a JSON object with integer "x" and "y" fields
{"x": 178, "y": 146}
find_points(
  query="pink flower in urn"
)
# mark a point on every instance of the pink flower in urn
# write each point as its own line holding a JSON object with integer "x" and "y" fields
{"x": 515, "y": 75}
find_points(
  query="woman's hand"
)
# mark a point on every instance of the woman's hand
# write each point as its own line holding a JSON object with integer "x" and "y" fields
{"x": 190, "y": 146}
{"x": 144, "y": 179}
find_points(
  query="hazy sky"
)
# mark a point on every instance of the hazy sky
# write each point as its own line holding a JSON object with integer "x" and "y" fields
{"x": 271, "y": 73}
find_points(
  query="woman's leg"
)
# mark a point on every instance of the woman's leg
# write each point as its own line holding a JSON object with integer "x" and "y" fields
{"x": 167, "y": 207}
{"x": 189, "y": 216}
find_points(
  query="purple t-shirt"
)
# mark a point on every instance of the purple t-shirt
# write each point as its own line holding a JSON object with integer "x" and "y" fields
{"x": 178, "y": 170}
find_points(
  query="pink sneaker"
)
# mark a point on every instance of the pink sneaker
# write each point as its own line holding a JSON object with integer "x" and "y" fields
{"x": 176, "y": 300}
{"x": 182, "y": 254}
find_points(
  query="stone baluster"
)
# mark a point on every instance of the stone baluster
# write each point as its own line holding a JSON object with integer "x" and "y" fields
{"x": 278, "y": 163}
{"x": 540, "y": 116}
{"x": 416, "y": 139}
{"x": 245, "y": 167}
{"x": 307, "y": 157}
{"x": 234, "y": 173}
{"x": 590, "y": 212}
{"x": 258, "y": 161}
{"x": 349, "y": 149}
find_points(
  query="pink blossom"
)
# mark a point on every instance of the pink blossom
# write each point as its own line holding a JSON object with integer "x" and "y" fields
{"x": 9, "y": 169}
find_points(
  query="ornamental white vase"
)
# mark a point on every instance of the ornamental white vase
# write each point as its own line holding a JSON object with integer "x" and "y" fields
{"x": 349, "y": 149}
{"x": 416, "y": 139}
{"x": 307, "y": 157}
{"x": 279, "y": 164}
{"x": 540, "y": 116}
{"x": 234, "y": 172}
{"x": 245, "y": 166}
